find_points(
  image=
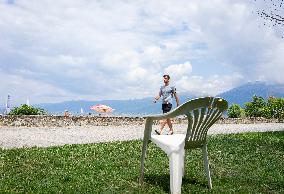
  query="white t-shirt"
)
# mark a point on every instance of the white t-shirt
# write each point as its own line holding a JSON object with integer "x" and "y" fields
{"x": 167, "y": 93}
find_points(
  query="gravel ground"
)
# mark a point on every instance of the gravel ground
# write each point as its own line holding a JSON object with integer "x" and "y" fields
{"x": 16, "y": 137}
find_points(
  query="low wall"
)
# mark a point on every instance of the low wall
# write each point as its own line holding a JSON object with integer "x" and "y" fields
{"x": 61, "y": 121}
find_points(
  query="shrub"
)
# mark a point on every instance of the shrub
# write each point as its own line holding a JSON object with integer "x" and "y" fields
{"x": 234, "y": 111}
{"x": 272, "y": 108}
{"x": 256, "y": 108}
{"x": 276, "y": 108}
{"x": 27, "y": 110}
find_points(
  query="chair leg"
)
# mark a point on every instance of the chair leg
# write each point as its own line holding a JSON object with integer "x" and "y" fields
{"x": 144, "y": 149}
{"x": 184, "y": 161}
{"x": 206, "y": 165}
{"x": 176, "y": 171}
{"x": 147, "y": 136}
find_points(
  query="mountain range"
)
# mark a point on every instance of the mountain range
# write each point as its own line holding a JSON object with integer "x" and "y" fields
{"x": 242, "y": 94}
{"x": 137, "y": 107}
{"x": 131, "y": 107}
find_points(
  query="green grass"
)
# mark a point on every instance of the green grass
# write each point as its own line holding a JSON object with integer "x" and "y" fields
{"x": 243, "y": 163}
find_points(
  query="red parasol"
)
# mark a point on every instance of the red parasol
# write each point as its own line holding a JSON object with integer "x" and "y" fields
{"x": 102, "y": 108}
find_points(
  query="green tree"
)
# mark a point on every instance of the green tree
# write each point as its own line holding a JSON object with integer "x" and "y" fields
{"x": 256, "y": 108}
{"x": 275, "y": 108}
{"x": 27, "y": 110}
{"x": 234, "y": 111}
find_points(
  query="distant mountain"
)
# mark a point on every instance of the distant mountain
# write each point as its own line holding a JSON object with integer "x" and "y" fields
{"x": 242, "y": 94}
{"x": 137, "y": 107}
{"x": 122, "y": 107}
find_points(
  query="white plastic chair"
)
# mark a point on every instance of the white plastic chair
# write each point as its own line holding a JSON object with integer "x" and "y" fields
{"x": 201, "y": 113}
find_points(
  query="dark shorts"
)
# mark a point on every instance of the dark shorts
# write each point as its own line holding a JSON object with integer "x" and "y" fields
{"x": 166, "y": 107}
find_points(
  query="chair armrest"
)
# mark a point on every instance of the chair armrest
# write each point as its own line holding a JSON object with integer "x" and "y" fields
{"x": 161, "y": 116}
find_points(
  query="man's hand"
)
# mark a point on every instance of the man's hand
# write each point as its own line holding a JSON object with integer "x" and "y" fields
{"x": 156, "y": 99}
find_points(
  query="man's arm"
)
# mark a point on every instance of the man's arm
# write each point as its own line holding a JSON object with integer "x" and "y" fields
{"x": 177, "y": 99}
{"x": 157, "y": 97}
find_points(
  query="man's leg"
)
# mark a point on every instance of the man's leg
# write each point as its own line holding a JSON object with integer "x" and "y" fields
{"x": 169, "y": 122}
{"x": 162, "y": 122}
{"x": 162, "y": 125}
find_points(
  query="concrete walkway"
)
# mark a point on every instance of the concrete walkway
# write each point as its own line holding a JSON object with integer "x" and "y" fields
{"x": 17, "y": 137}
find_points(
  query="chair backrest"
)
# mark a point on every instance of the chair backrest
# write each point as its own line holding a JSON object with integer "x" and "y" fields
{"x": 201, "y": 113}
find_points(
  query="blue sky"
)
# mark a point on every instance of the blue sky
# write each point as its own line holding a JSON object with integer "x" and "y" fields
{"x": 52, "y": 51}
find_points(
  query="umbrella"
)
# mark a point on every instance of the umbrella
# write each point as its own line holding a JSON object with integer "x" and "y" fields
{"x": 102, "y": 108}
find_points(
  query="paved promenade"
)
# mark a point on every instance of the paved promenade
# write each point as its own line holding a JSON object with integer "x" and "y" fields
{"x": 16, "y": 137}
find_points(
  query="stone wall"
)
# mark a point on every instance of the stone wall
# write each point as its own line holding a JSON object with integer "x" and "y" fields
{"x": 61, "y": 121}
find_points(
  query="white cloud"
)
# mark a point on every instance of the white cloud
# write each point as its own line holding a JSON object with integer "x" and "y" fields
{"x": 213, "y": 85}
{"x": 136, "y": 74}
{"x": 179, "y": 70}
{"x": 272, "y": 66}
{"x": 100, "y": 49}
{"x": 21, "y": 89}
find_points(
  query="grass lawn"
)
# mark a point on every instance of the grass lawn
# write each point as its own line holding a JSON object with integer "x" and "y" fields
{"x": 242, "y": 163}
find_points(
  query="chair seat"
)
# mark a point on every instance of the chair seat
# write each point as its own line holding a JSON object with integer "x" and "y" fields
{"x": 169, "y": 143}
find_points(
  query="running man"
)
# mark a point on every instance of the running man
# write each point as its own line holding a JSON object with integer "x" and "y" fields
{"x": 167, "y": 92}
